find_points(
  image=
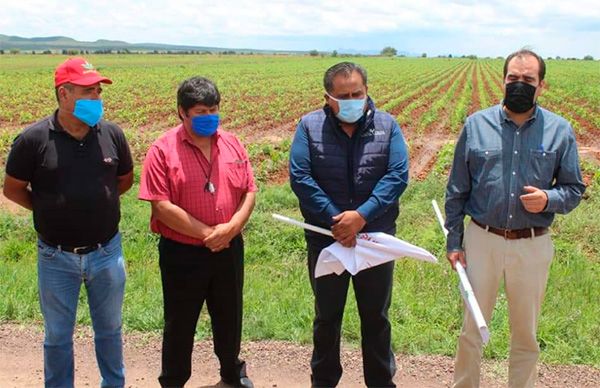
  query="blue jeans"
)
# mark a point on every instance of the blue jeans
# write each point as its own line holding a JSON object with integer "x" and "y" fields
{"x": 60, "y": 275}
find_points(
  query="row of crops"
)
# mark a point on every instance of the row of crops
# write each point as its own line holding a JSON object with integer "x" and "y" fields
{"x": 261, "y": 93}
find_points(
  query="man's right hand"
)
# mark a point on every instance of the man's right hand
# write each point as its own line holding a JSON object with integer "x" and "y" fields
{"x": 347, "y": 225}
{"x": 219, "y": 237}
{"x": 455, "y": 256}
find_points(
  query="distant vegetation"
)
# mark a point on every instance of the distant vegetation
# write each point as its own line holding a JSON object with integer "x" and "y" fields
{"x": 389, "y": 52}
{"x": 69, "y": 46}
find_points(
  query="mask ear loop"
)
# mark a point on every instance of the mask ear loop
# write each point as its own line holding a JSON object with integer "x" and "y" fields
{"x": 333, "y": 98}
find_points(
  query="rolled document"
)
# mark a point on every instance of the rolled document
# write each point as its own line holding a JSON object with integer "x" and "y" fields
{"x": 465, "y": 286}
{"x": 304, "y": 225}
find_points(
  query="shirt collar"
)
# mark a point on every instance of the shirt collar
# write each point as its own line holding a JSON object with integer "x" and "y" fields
{"x": 55, "y": 126}
{"x": 504, "y": 117}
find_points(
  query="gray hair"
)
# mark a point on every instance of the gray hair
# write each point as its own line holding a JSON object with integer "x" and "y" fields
{"x": 345, "y": 68}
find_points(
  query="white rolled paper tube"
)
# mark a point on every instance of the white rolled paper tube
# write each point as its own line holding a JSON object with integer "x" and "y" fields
{"x": 465, "y": 286}
{"x": 471, "y": 302}
{"x": 304, "y": 225}
{"x": 440, "y": 218}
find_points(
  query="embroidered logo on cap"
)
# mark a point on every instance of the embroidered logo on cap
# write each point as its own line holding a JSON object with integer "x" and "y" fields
{"x": 88, "y": 68}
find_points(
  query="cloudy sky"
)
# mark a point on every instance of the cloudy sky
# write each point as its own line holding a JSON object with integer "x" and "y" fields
{"x": 484, "y": 28}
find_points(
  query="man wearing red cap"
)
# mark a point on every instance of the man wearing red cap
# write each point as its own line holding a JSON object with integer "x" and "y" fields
{"x": 70, "y": 169}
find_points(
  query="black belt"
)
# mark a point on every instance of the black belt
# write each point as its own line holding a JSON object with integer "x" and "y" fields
{"x": 81, "y": 250}
{"x": 513, "y": 234}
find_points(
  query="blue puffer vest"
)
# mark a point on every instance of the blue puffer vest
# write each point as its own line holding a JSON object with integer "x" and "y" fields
{"x": 348, "y": 169}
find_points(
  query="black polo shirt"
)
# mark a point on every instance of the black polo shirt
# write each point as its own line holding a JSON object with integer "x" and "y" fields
{"x": 73, "y": 182}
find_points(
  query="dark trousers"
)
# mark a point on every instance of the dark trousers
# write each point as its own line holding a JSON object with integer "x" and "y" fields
{"x": 373, "y": 290}
{"x": 191, "y": 275}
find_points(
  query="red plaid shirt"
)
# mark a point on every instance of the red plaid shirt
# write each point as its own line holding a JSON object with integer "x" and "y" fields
{"x": 175, "y": 170}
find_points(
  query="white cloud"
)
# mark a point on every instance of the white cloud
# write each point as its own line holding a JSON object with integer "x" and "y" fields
{"x": 216, "y": 22}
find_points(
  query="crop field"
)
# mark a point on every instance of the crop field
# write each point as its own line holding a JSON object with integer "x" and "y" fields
{"x": 262, "y": 99}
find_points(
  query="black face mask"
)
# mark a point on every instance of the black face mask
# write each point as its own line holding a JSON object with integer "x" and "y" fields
{"x": 519, "y": 96}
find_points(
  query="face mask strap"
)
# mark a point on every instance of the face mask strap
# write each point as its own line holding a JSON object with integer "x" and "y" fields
{"x": 333, "y": 98}
{"x": 338, "y": 99}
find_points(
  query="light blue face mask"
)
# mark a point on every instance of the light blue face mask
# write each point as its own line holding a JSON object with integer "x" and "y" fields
{"x": 205, "y": 125}
{"x": 88, "y": 111}
{"x": 350, "y": 110}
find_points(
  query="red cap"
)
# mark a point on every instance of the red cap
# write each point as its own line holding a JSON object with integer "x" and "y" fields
{"x": 78, "y": 71}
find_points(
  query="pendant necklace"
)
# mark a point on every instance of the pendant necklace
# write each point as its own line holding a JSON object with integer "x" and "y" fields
{"x": 209, "y": 187}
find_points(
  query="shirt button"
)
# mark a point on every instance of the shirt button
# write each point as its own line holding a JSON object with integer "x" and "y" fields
{"x": 486, "y": 152}
{"x": 516, "y": 152}
{"x": 512, "y": 194}
{"x": 510, "y": 216}
{"x": 518, "y": 132}
{"x": 514, "y": 173}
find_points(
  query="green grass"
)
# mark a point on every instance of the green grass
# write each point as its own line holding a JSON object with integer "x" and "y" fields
{"x": 426, "y": 308}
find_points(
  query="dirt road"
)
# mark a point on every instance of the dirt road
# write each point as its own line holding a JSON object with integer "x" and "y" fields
{"x": 270, "y": 364}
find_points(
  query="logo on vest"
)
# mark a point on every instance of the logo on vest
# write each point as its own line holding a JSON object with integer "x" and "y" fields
{"x": 373, "y": 132}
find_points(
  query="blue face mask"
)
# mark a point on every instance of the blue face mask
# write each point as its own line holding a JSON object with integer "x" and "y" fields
{"x": 88, "y": 111}
{"x": 350, "y": 110}
{"x": 205, "y": 125}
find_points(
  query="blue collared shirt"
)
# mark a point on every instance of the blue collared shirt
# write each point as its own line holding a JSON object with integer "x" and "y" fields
{"x": 494, "y": 159}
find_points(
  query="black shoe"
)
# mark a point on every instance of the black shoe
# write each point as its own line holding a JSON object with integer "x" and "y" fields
{"x": 243, "y": 382}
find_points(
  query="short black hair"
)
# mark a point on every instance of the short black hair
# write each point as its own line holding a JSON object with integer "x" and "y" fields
{"x": 346, "y": 68}
{"x": 197, "y": 90}
{"x": 524, "y": 52}
{"x": 67, "y": 86}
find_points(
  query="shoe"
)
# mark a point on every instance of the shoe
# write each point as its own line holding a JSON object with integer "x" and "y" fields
{"x": 243, "y": 382}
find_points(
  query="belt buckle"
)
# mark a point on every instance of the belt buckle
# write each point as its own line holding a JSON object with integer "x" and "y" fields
{"x": 77, "y": 249}
{"x": 506, "y": 233}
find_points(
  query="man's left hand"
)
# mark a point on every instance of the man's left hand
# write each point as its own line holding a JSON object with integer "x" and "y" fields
{"x": 535, "y": 200}
{"x": 347, "y": 225}
{"x": 220, "y": 237}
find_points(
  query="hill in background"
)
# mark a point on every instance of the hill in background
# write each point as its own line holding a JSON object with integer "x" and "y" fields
{"x": 60, "y": 43}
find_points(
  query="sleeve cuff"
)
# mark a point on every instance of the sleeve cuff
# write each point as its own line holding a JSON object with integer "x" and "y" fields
{"x": 153, "y": 197}
{"x": 454, "y": 243}
{"x": 124, "y": 172}
{"x": 553, "y": 201}
{"x": 18, "y": 176}
{"x": 366, "y": 210}
{"x": 330, "y": 211}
